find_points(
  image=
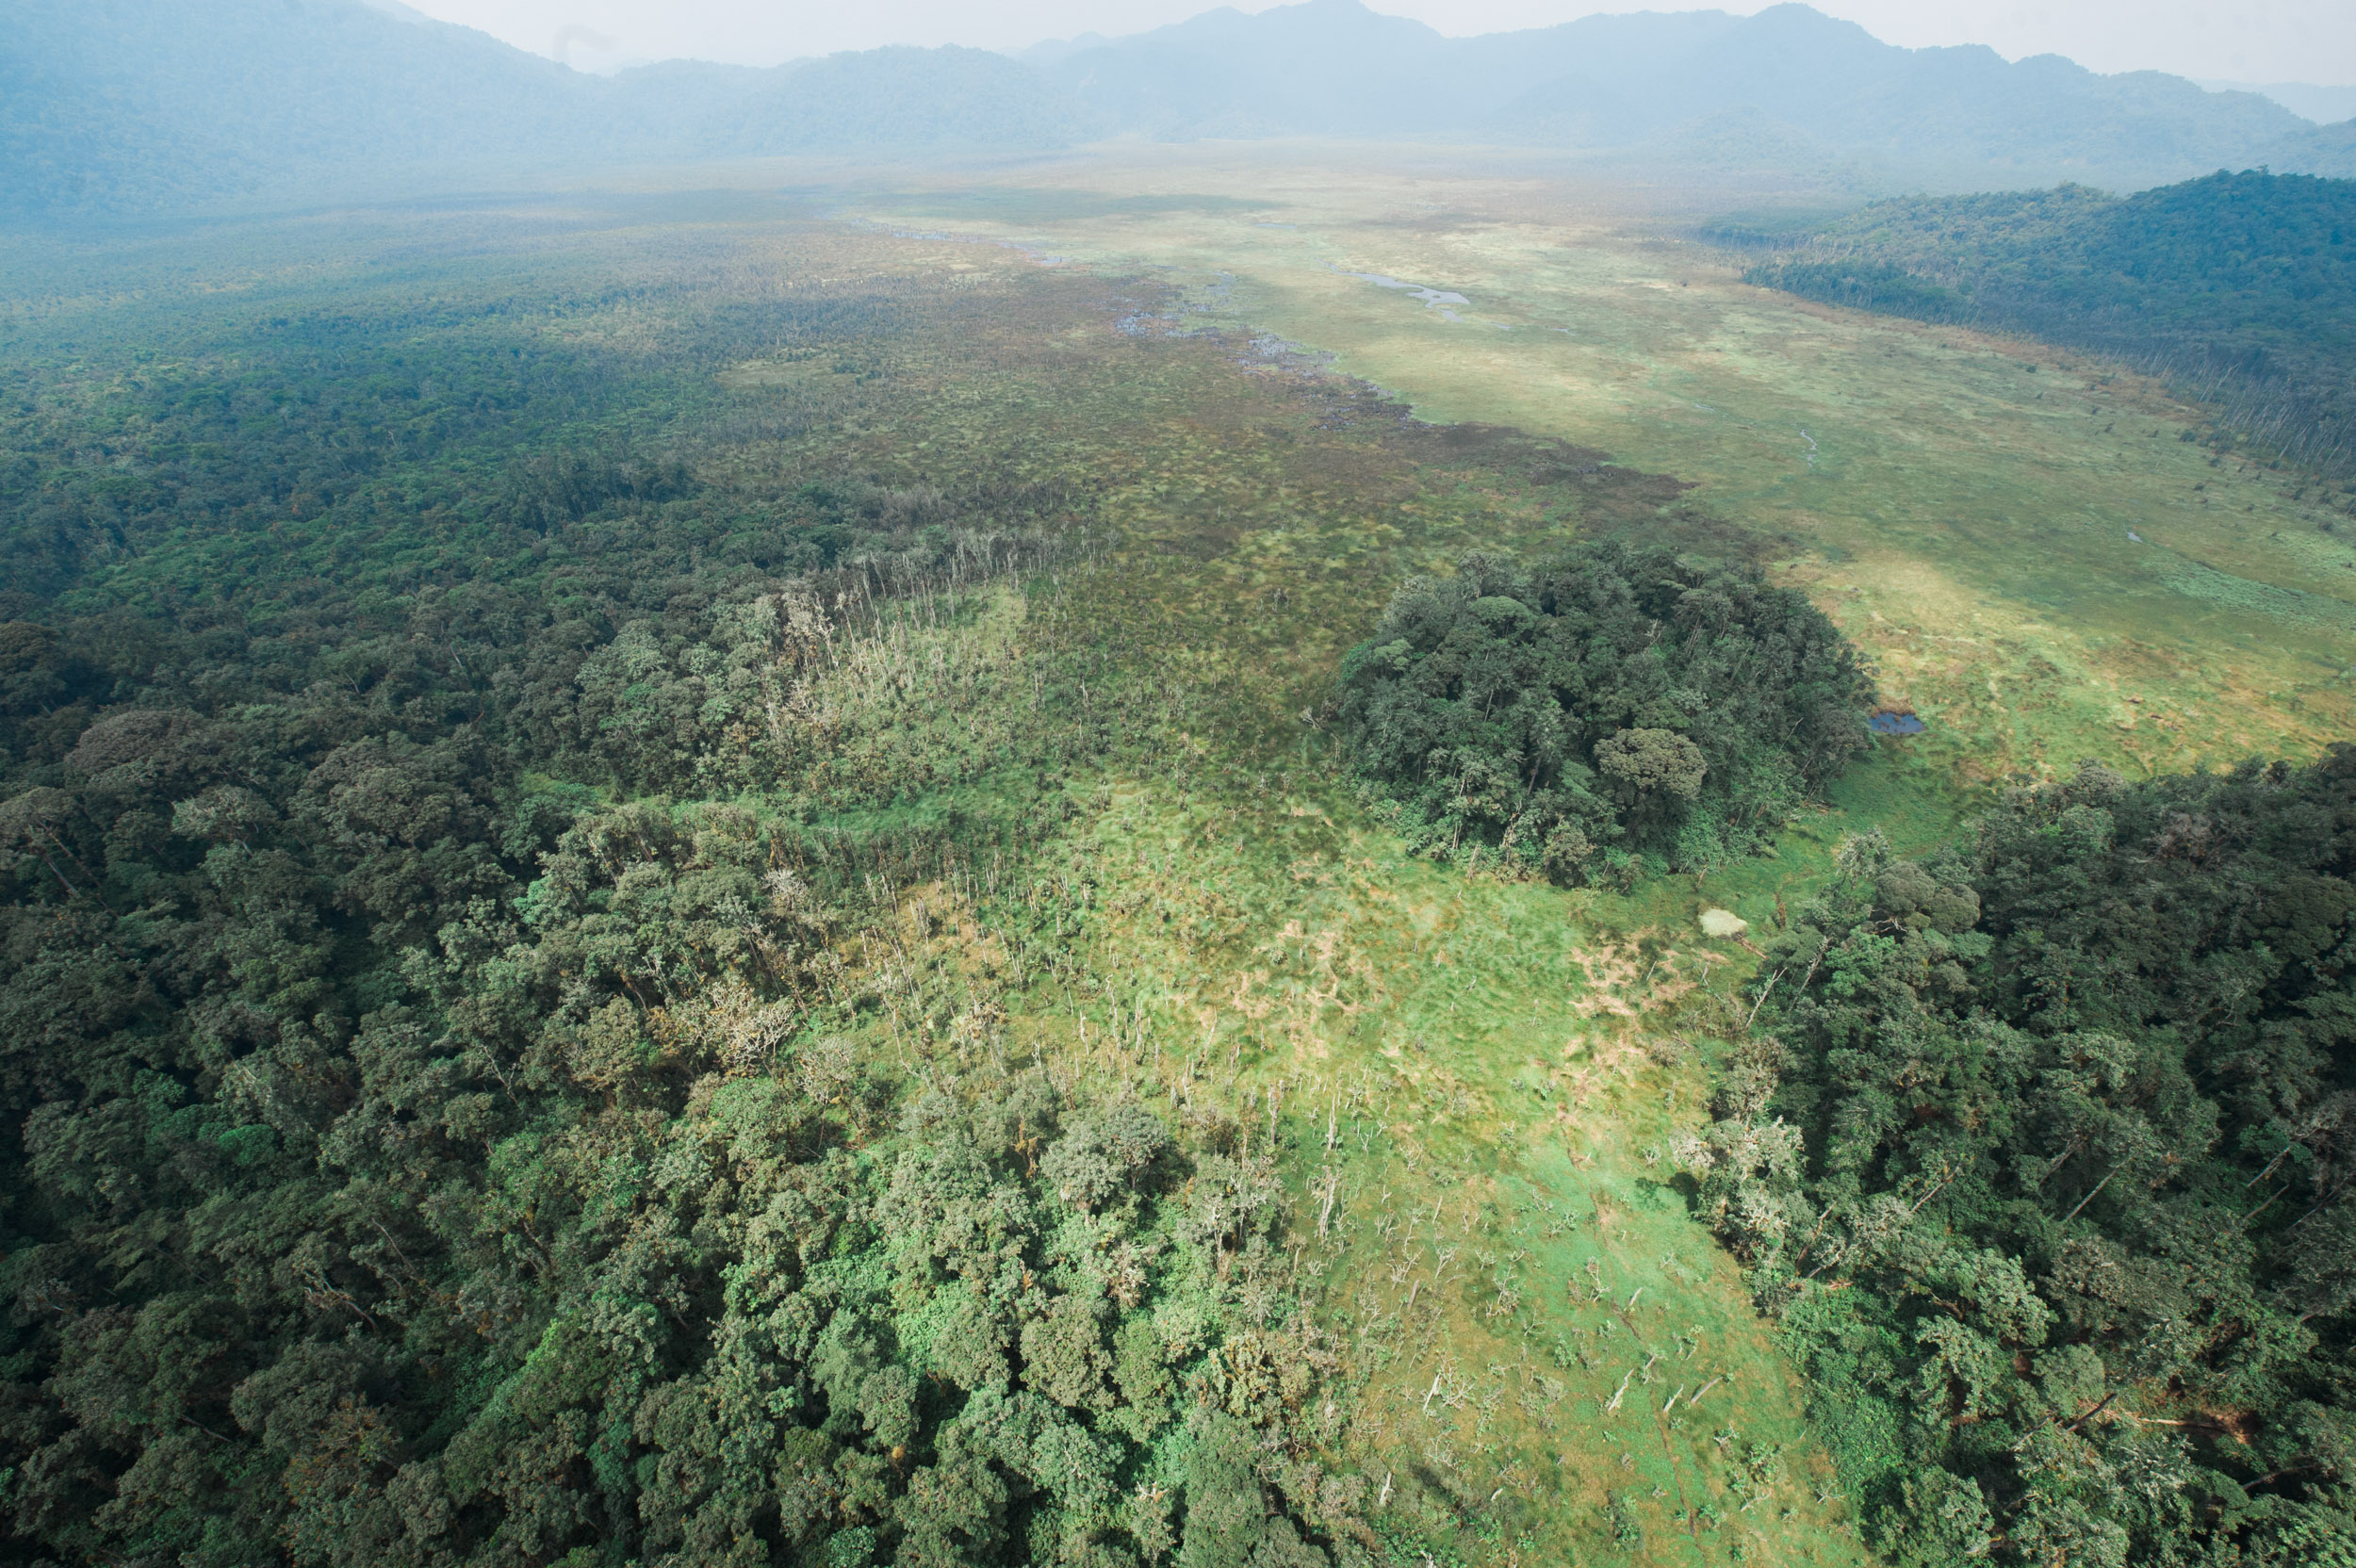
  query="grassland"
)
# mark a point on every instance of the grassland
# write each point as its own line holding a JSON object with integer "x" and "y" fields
{"x": 2038, "y": 563}
{"x": 1481, "y": 1073}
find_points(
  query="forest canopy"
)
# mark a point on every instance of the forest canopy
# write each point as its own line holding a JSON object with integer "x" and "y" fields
{"x": 1614, "y": 708}
{"x": 2044, "y": 1157}
{"x": 438, "y": 1123}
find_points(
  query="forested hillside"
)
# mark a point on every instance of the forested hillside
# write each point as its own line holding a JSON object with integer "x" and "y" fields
{"x": 129, "y": 104}
{"x": 2241, "y": 288}
{"x": 2043, "y": 1157}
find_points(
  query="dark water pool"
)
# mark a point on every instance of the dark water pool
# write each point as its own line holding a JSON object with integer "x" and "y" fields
{"x": 1895, "y": 723}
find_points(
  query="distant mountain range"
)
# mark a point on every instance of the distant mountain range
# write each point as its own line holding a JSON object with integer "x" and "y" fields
{"x": 2324, "y": 105}
{"x": 143, "y": 104}
{"x": 134, "y": 105}
{"x": 1958, "y": 117}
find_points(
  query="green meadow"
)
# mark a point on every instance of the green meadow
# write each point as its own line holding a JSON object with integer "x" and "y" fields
{"x": 2041, "y": 565}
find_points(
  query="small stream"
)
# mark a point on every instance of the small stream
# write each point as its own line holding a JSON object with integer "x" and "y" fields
{"x": 1430, "y": 297}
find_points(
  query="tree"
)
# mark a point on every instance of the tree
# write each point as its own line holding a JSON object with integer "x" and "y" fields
{"x": 2063, "y": 1112}
{"x": 1611, "y": 703}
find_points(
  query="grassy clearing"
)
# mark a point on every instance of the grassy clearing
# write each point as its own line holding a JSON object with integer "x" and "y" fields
{"x": 2042, "y": 569}
{"x": 1231, "y": 935}
{"x": 1223, "y": 930}
{"x": 1471, "y": 1067}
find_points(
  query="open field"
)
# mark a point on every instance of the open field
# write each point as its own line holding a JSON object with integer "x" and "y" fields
{"x": 1486, "y": 1069}
{"x": 2041, "y": 567}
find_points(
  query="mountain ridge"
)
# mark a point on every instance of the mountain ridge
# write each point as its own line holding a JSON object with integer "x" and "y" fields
{"x": 1948, "y": 111}
{"x": 129, "y": 105}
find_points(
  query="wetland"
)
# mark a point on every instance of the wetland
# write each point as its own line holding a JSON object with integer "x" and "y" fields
{"x": 696, "y": 878}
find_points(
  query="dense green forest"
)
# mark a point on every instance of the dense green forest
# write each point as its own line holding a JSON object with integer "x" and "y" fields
{"x": 1611, "y": 711}
{"x": 443, "y": 1120}
{"x": 2042, "y": 1153}
{"x": 2240, "y": 288}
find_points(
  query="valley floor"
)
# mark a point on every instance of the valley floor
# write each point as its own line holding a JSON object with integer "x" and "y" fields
{"x": 1473, "y": 1080}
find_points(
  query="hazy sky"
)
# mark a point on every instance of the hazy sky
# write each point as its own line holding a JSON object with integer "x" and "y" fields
{"x": 2258, "y": 40}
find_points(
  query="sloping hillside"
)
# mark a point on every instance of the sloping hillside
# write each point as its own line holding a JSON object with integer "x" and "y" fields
{"x": 896, "y": 98}
{"x": 130, "y": 103}
{"x": 2242, "y": 285}
{"x": 1955, "y": 118}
